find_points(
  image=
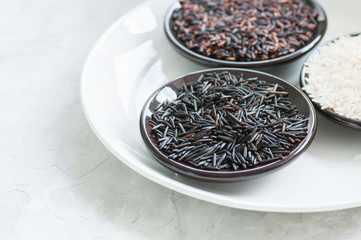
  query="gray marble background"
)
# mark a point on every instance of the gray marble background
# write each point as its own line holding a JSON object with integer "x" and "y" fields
{"x": 57, "y": 181}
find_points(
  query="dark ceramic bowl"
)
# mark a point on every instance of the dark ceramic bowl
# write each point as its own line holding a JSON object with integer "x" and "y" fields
{"x": 213, "y": 62}
{"x": 329, "y": 113}
{"x": 170, "y": 91}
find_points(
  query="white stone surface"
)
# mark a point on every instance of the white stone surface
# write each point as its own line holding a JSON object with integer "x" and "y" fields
{"x": 57, "y": 181}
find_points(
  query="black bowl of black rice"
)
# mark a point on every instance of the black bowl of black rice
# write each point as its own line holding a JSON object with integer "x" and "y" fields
{"x": 227, "y": 124}
{"x": 249, "y": 33}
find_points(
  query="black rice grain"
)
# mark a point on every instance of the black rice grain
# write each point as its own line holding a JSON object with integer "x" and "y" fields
{"x": 241, "y": 127}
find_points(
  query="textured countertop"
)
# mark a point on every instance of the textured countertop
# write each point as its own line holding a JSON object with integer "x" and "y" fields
{"x": 57, "y": 181}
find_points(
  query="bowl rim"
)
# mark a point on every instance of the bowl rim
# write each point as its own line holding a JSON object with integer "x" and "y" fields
{"x": 329, "y": 113}
{"x": 213, "y": 62}
{"x": 226, "y": 176}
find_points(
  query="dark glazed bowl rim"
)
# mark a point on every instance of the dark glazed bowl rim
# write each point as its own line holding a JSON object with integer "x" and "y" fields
{"x": 226, "y": 176}
{"x": 329, "y": 113}
{"x": 213, "y": 62}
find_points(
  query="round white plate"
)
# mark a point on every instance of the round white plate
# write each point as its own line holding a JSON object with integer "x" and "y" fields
{"x": 133, "y": 58}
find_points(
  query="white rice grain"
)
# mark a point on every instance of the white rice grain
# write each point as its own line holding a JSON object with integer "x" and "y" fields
{"x": 334, "y": 77}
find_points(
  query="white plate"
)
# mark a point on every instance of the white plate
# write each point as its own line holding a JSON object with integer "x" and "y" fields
{"x": 133, "y": 58}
